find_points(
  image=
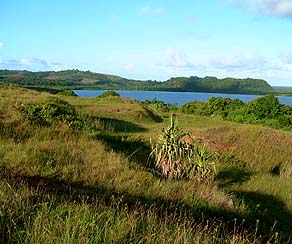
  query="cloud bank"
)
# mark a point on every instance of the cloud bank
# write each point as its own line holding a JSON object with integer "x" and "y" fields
{"x": 31, "y": 64}
{"x": 276, "y": 68}
{"x": 280, "y": 8}
{"x": 276, "y": 8}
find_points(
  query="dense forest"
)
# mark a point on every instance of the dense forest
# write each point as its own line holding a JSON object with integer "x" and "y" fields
{"x": 75, "y": 79}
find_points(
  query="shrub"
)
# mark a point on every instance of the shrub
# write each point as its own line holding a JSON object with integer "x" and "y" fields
{"x": 109, "y": 93}
{"x": 160, "y": 105}
{"x": 264, "y": 110}
{"x": 56, "y": 111}
{"x": 265, "y": 107}
{"x": 195, "y": 107}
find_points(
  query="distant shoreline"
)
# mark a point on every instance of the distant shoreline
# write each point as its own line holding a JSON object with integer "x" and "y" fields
{"x": 58, "y": 81}
{"x": 282, "y": 87}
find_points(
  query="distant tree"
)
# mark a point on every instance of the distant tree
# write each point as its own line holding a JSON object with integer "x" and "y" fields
{"x": 265, "y": 107}
{"x": 109, "y": 93}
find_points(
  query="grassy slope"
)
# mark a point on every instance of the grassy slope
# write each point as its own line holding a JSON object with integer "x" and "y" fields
{"x": 62, "y": 185}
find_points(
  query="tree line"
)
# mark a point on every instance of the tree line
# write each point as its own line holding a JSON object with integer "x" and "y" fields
{"x": 76, "y": 79}
{"x": 265, "y": 110}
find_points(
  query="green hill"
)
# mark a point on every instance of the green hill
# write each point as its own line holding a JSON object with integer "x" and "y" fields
{"x": 212, "y": 84}
{"x": 76, "y": 79}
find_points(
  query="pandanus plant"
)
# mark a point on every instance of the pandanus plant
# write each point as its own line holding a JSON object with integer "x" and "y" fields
{"x": 177, "y": 155}
{"x": 202, "y": 165}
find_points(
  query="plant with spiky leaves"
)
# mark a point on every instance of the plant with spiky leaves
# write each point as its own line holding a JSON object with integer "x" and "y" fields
{"x": 177, "y": 155}
{"x": 202, "y": 165}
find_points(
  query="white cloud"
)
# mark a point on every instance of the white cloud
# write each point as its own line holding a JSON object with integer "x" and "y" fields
{"x": 147, "y": 10}
{"x": 56, "y": 65}
{"x": 25, "y": 62}
{"x": 33, "y": 64}
{"x": 130, "y": 67}
{"x": 276, "y": 70}
{"x": 40, "y": 62}
{"x": 177, "y": 59}
{"x": 1, "y": 44}
{"x": 277, "y": 8}
{"x": 286, "y": 58}
{"x": 251, "y": 62}
{"x": 242, "y": 65}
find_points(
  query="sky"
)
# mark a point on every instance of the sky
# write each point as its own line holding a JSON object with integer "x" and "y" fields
{"x": 150, "y": 40}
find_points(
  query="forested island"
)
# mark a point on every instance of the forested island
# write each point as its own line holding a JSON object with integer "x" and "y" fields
{"x": 55, "y": 82}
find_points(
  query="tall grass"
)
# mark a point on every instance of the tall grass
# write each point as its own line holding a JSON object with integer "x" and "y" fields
{"x": 62, "y": 184}
{"x": 31, "y": 217}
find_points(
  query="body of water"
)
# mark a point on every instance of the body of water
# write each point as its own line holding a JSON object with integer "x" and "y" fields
{"x": 283, "y": 87}
{"x": 177, "y": 98}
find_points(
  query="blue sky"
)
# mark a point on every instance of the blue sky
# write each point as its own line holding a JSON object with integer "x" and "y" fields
{"x": 150, "y": 39}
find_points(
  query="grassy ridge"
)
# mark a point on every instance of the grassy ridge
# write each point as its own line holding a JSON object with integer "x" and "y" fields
{"x": 92, "y": 183}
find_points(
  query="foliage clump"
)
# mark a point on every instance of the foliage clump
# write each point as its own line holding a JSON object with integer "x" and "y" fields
{"x": 265, "y": 110}
{"x": 50, "y": 113}
{"x": 178, "y": 156}
{"x": 109, "y": 93}
{"x": 160, "y": 105}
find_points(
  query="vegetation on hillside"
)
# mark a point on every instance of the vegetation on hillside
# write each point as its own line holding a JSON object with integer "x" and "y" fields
{"x": 77, "y": 170}
{"x": 265, "y": 110}
{"x": 212, "y": 84}
{"x": 160, "y": 105}
{"x": 75, "y": 79}
{"x": 110, "y": 93}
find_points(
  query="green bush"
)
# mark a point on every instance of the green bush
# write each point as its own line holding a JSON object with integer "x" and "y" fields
{"x": 265, "y": 110}
{"x": 109, "y": 93}
{"x": 160, "y": 105}
{"x": 56, "y": 111}
{"x": 195, "y": 107}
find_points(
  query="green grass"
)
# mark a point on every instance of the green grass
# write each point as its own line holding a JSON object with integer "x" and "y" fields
{"x": 61, "y": 184}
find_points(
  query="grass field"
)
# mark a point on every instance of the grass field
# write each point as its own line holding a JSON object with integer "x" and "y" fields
{"x": 84, "y": 176}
